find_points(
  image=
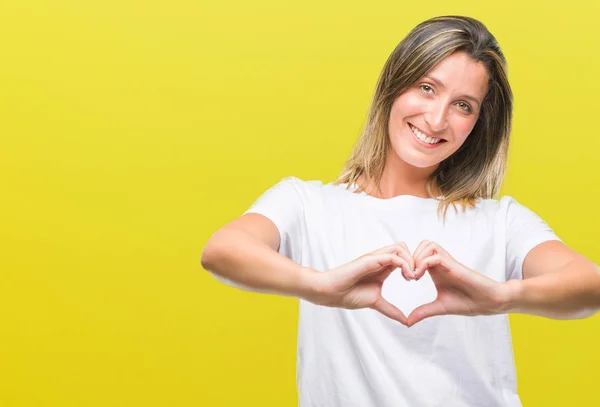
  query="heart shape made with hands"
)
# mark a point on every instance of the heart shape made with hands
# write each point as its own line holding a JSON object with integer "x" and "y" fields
{"x": 408, "y": 295}
{"x": 440, "y": 285}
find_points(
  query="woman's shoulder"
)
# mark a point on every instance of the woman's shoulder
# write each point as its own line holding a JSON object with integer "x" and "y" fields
{"x": 503, "y": 205}
{"x": 291, "y": 179}
{"x": 502, "y": 202}
{"x": 314, "y": 190}
{"x": 313, "y": 185}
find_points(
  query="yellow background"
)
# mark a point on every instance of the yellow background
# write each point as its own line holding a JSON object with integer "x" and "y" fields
{"x": 131, "y": 130}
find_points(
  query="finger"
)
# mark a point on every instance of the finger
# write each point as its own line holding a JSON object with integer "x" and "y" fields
{"x": 427, "y": 250}
{"x": 439, "y": 249}
{"x": 424, "y": 251}
{"x": 393, "y": 248}
{"x": 399, "y": 248}
{"x": 402, "y": 251}
{"x": 390, "y": 311}
{"x": 372, "y": 264}
{"x": 434, "y": 248}
{"x": 443, "y": 260}
{"x": 420, "y": 248}
{"x": 408, "y": 273}
{"x": 409, "y": 257}
{"x": 431, "y": 261}
{"x": 406, "y": 270}
{"x": 426, "y": 311}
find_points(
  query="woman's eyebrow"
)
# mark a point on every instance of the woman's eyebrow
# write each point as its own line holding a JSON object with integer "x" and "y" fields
{"x": 441, "y": 85}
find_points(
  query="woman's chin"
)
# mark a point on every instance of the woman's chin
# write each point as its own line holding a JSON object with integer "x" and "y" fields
{"x": 421, "y": 162}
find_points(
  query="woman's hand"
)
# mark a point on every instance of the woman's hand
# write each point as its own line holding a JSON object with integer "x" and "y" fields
{"x": 461, "y": 291}
{"x": 358, "y": 284}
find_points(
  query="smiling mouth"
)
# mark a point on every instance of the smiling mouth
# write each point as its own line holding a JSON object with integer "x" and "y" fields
{"x": 424, "y": 137}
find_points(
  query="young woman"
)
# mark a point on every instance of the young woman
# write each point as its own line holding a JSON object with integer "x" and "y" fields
{"x": 416, "y": 201}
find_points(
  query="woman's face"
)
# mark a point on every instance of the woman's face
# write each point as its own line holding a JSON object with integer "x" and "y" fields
{"x": 431, "y": 120}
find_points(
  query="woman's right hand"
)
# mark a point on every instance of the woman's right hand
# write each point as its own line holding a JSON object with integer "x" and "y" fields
{"x": 358, "y": 284}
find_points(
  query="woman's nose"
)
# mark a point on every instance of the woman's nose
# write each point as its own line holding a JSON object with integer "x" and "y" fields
{"x": 437, "y": 117}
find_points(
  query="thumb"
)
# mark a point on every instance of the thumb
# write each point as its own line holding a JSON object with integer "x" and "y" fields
{"x": 390, "y": 310}
{"x": 384, "y": 273}
{"x": 425, "y": 311}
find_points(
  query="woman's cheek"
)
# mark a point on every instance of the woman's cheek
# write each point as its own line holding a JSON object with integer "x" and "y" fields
{"x": 466, "y": 127}
{"x": 416, "y": 102}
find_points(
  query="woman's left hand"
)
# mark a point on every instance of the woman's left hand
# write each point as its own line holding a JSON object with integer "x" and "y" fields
{"x": 461, "y": 291}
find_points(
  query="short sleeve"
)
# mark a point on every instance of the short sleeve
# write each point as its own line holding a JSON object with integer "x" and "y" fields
{"x": 282, "y": 204}
{"x": 524, "y": 230}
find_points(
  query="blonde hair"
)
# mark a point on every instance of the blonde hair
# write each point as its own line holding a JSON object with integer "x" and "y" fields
{"x": 477, "y": 168}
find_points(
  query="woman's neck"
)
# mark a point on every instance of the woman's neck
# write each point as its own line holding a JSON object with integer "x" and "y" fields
{"x": 400, "y": 178}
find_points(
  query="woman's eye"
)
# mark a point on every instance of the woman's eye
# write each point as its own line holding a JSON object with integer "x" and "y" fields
{"x": 426, "y": 88}
{"x": 465, "y": 106}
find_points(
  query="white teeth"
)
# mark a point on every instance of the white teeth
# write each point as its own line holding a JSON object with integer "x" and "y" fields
{"x": 422, "y": 137}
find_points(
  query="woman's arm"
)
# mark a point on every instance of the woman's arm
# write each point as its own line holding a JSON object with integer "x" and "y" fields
{"x": 244, "y": 254}
{"x": 557, "y": 283}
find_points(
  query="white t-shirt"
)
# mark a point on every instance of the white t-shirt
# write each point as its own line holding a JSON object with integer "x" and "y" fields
{"x": 360, "y": 358}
